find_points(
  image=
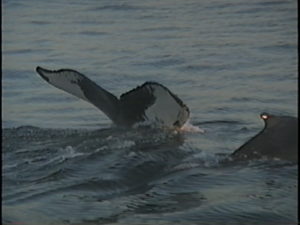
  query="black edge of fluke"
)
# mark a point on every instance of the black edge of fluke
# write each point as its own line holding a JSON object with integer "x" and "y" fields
{"x": 40, "y": 71}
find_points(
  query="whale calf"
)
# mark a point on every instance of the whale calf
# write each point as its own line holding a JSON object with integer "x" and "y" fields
{"x": 149, "y": 103}
{"x": 278, "y": 139}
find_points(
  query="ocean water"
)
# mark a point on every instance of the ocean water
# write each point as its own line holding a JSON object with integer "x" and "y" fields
{"x": 64, "y": 162}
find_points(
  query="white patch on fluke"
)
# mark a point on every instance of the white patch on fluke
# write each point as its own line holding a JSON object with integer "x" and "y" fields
{"x": 165, "y": 109}
{"x": 67, "y": 81}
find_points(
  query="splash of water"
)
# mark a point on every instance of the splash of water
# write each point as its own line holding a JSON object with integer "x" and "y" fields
{"x": 188, "y": 127}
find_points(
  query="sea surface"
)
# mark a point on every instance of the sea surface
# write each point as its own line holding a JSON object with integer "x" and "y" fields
{"x": 65, "y": 163}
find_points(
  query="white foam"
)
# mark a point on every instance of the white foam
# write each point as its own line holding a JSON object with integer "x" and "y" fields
{"x": 188, "y": 127}
{"x": 70, "y": 152}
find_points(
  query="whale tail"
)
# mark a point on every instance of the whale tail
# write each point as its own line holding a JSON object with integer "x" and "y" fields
{"x": 82, "y": 87}
{"x": 155, "y": 104}
{"x": 150, "y": 102}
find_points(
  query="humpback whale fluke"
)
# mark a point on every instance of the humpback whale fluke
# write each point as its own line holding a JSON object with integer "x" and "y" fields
{"x": 278, "y": 139}
{"x": 150, "y": 102}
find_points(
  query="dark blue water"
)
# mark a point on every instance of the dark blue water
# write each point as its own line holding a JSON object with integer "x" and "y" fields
{"x": 63, "y": 162}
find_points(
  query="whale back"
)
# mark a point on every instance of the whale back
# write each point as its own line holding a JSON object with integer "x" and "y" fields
{"x": 278, "y": 139}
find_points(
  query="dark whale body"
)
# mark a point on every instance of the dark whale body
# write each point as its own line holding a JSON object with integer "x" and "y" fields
{"x": 278, "y": 139}
{"x": 150, "y": 102}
